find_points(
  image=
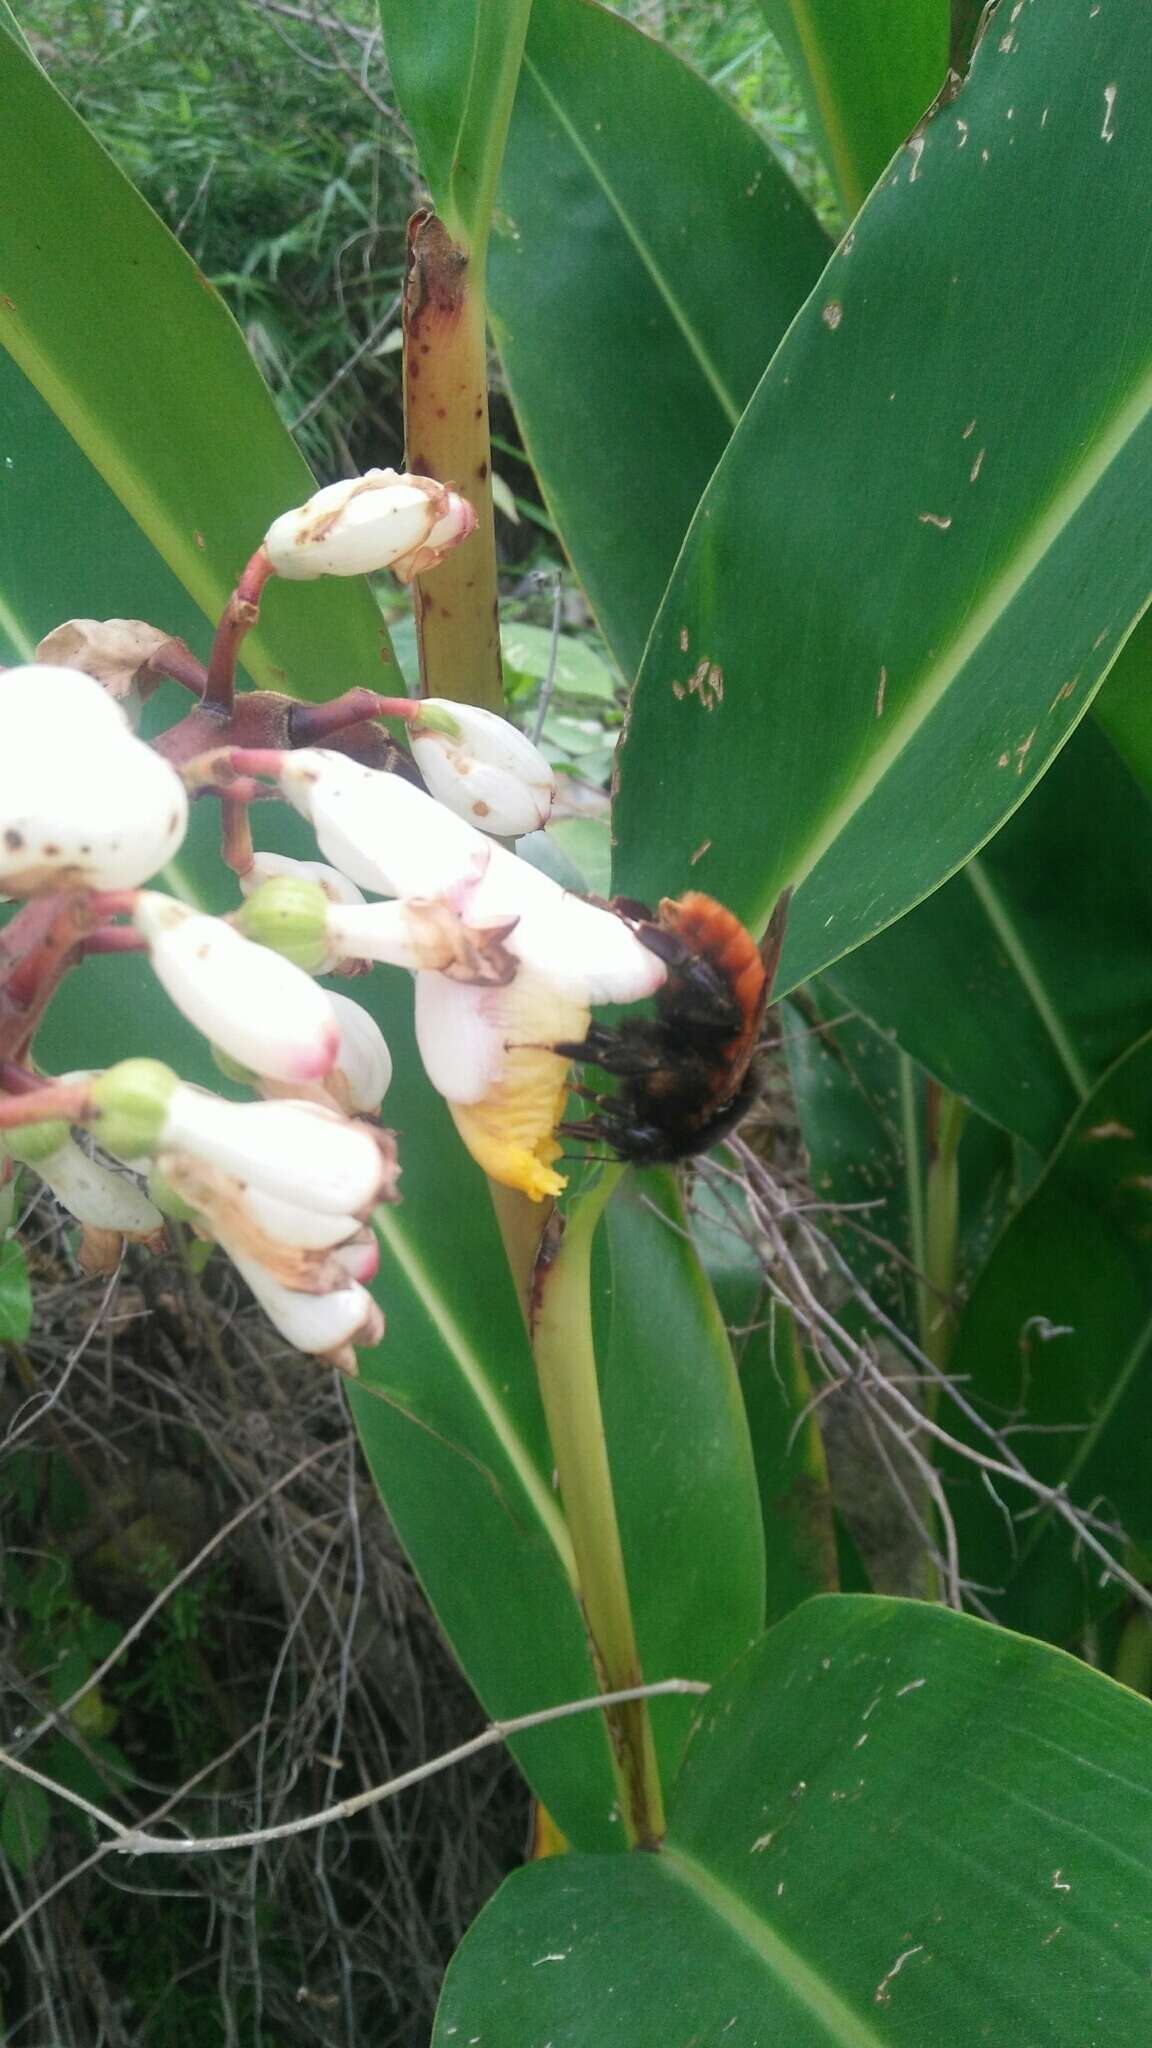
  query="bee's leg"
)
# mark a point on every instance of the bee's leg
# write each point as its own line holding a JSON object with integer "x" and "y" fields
{"x": 616, "y": 1054}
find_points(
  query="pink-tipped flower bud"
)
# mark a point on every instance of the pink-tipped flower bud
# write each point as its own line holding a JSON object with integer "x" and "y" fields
{"x": 362, "y": 1074}
{"x": 83, "y": 803}
{"x": 330, "y": 1326}
{"x": 251, "y": 1002}
{"x": 298, "y": 1150}
{"x": 482, "y": 768}
{"x": 377, "y": 521}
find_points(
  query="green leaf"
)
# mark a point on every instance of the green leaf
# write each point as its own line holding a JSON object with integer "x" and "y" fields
{"x": 890, "y": 1817}
{"x": 1055, "y": 1342}
{"x": 154, "y": 382}
{"x": 1026, "y": 975}
{"x": 454, "y": 65}
{"x": 24, "y": 1823}
{"x": 866, "y": 74}
{"x": 15, "y": 1293}
{"x": 68, "y": 548}
{"x": 648, "y": 253}
{"x": 878, "y": 634}
{"x": 578, "y": 670}
{"x": 461, "y": 1456}
{"x": 460, "y": 1453}
{"x": 679, "y": 1447}
{"x": 1124, "y": 705}
{"x": 791, "y": 1470}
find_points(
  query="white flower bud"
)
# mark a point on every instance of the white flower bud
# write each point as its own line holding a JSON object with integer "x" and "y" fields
{"x": 272, "y": 867}
{"x": 377, "y": 521}
{"x": 362, "y": 1074}
{"x": 393, "y": 838}
{"x": 416, "y": 934}
{"x": 255, "y": 1005}
{"x": 83, "y": 803}
{"x": 482, "y": 768}
{"x": 377, "y": 828}
{"x": 326, "y": 1326}
{"x": 302, "y": 1247}
{"x": 297, "y": 1150}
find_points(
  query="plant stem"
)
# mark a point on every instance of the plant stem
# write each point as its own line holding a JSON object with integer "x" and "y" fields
{"x": 446, "y": 436}
{"x": 946, "y": 1119}
{"x": 1133, "y": 1664}
{"x": 566, "y": 1366}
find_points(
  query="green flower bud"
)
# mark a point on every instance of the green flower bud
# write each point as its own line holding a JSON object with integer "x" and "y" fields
{"x": 170, "y": 1203}
{"x": 290, "y": 916}
{"x": 32, "y": 1143}
{"x": 435, "y": 716}
{"x": 133, "y": 1099}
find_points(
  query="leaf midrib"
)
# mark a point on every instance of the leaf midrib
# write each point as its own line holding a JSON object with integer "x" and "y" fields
{"x": 728, "y": 404}
{"x": 545, "y": 1507}
{"x": 807, "y": 1985}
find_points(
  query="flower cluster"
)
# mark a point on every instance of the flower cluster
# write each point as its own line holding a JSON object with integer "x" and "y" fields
{"x": 506, "y": 964}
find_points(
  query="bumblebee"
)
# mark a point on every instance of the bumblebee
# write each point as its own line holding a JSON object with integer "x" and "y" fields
{"x": 689, "y": 1074}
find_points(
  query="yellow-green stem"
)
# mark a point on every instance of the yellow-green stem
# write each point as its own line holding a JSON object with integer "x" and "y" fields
{"x": 1133, "y": 1664}
{"x": 566, "y": 1365}
{"x": 941, "y": 1228}
{"x": 446, "y": 437}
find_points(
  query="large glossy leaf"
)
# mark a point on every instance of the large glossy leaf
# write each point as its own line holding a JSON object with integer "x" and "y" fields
{"x": 648, "y": 253}
{"x": 1055, "y": 1345}
{"x": 895, "y": 1826}
{"x": 1028, "y": 973}
{"x": 679, "y": 1448}
{"x": 791, "y": 1469}
{"x": 454, "y": 65}
{"x": 927, "y": 538}
{"x": 68, "y": 548}
{"x": 135, "y": 352}
{"x": 866, "y": 74}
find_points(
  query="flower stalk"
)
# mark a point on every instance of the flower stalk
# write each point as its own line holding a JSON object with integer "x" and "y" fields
{"x": 566, "y": 1369}
{"x": 446, "y": 435}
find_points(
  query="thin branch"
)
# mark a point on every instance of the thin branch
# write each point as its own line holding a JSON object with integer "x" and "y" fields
{"x": 135, "y": 1842}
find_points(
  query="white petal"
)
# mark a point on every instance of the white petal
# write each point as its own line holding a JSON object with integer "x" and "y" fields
{"x": 378, "y": 829}
{"x": 582, "y": 949}
{"x": 487, "y": 772}
{"x": 293, "y": 1223}
{"x": 363, "y": 1063}
{"x": 255, "y": 1005}
{"x": 297, "y": 1150}
{"x": 317, "y": 1323}
{"x": 95, "y": 1195}
{"x": 461, "y": 1037}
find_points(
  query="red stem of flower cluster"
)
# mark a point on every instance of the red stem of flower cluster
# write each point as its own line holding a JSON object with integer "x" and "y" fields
{"x": 68, "y": 1100}
{"x": 240, "y": 615}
